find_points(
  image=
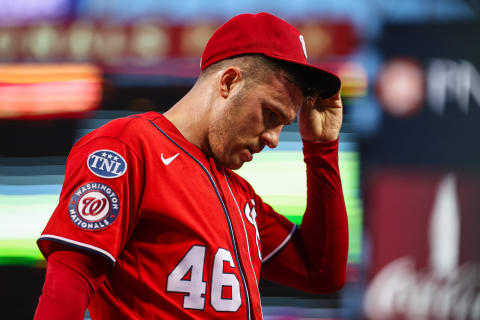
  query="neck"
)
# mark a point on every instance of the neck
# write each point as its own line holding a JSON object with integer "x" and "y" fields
{"x": 190, "y": 116}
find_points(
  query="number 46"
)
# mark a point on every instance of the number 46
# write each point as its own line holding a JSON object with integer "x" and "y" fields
{"x": 195, "y": 287}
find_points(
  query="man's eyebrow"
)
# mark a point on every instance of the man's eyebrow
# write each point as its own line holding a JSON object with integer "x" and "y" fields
{"x": 279, "y": 110}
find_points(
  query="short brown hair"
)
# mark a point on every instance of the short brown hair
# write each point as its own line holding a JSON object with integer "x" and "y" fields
{"x": 256, "y": 67}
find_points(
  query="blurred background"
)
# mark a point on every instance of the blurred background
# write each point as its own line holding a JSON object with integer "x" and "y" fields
{"x": 410, "y": 168}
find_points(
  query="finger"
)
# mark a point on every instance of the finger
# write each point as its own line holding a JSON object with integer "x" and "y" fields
{"x": 334, "y": 101}
{"x": 311, "y": 101}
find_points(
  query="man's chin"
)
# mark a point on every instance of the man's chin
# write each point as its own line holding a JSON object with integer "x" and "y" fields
{"x": 236, "y": 161}
{"x": 235, "y": 166}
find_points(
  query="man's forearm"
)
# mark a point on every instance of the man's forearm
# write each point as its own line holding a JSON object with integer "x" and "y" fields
{"x": 315, "y": 258}
{"x": 324, "y": 229}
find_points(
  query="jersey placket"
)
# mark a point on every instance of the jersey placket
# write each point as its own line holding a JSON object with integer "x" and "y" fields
{"x": 216, "y": 189}
{"x": 240, "y": 238}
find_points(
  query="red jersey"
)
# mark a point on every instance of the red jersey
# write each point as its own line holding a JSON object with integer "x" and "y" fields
{"x": 187, "y": 237}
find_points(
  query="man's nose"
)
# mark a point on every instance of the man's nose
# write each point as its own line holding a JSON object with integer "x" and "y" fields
{"x": 271, "y": 136}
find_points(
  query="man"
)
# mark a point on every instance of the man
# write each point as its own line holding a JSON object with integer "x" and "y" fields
{"x": 153, "y": 224}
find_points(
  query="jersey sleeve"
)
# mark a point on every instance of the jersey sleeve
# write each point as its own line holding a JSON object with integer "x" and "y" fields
{"x": 275, "y": 230}
{"x": 98, "y": 205}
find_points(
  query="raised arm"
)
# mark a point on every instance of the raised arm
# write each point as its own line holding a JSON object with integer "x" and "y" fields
{"x": 315, "y": 258}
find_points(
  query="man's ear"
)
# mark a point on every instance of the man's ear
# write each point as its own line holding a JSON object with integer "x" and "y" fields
{"x": 229, "y": 79}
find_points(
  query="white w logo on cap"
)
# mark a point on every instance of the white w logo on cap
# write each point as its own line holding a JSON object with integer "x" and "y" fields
{"x": 302, "y": 41}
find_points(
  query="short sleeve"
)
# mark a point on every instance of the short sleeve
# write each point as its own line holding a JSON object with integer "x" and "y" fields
{"x": 275, "y": 230}
{"x": 98, "y": 205}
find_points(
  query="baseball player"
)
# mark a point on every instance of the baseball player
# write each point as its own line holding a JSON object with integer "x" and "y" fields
{"x": 152, "y": 223}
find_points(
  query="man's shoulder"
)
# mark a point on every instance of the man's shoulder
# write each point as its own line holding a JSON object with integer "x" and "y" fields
{"x": 130, "y": 125}
{"x": 127, "y": 129}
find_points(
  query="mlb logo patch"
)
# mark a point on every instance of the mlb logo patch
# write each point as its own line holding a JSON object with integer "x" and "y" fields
{"x": 106, "y": 164}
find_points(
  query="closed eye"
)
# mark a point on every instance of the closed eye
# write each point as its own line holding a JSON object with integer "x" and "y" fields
{"x": 270, "y": 117}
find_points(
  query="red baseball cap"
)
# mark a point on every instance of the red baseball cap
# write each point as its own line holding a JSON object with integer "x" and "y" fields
{"x": 266, "y": 34}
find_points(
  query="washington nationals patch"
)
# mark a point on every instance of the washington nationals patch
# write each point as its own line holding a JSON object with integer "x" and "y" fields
{"x": 94, "y": 206}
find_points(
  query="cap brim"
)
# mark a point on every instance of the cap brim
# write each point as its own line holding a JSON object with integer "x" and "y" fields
{"x": 324, "y": 82}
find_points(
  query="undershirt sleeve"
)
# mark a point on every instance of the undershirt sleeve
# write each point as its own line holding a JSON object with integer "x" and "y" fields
{"x": 71, "y": 280}
{"x": 315, "y": 258}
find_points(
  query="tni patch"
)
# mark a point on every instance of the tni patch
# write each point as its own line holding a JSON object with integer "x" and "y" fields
{"x": 106, "y": 164}
{"x": 94, "y": 206}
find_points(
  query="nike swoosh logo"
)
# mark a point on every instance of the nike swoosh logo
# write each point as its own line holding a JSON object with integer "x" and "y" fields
{"x": 167, "y": 161}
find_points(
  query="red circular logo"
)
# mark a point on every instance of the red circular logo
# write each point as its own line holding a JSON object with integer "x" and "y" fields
{"x": 94, "y": 206}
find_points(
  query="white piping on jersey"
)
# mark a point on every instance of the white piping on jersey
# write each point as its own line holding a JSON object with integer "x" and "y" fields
{"x": 79, "y": 244}
{"x": 232, "y": 234}
{"x": 281, "y": 245}
{"x": 244, "y": 228}
{"x": 227, "y": 215}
